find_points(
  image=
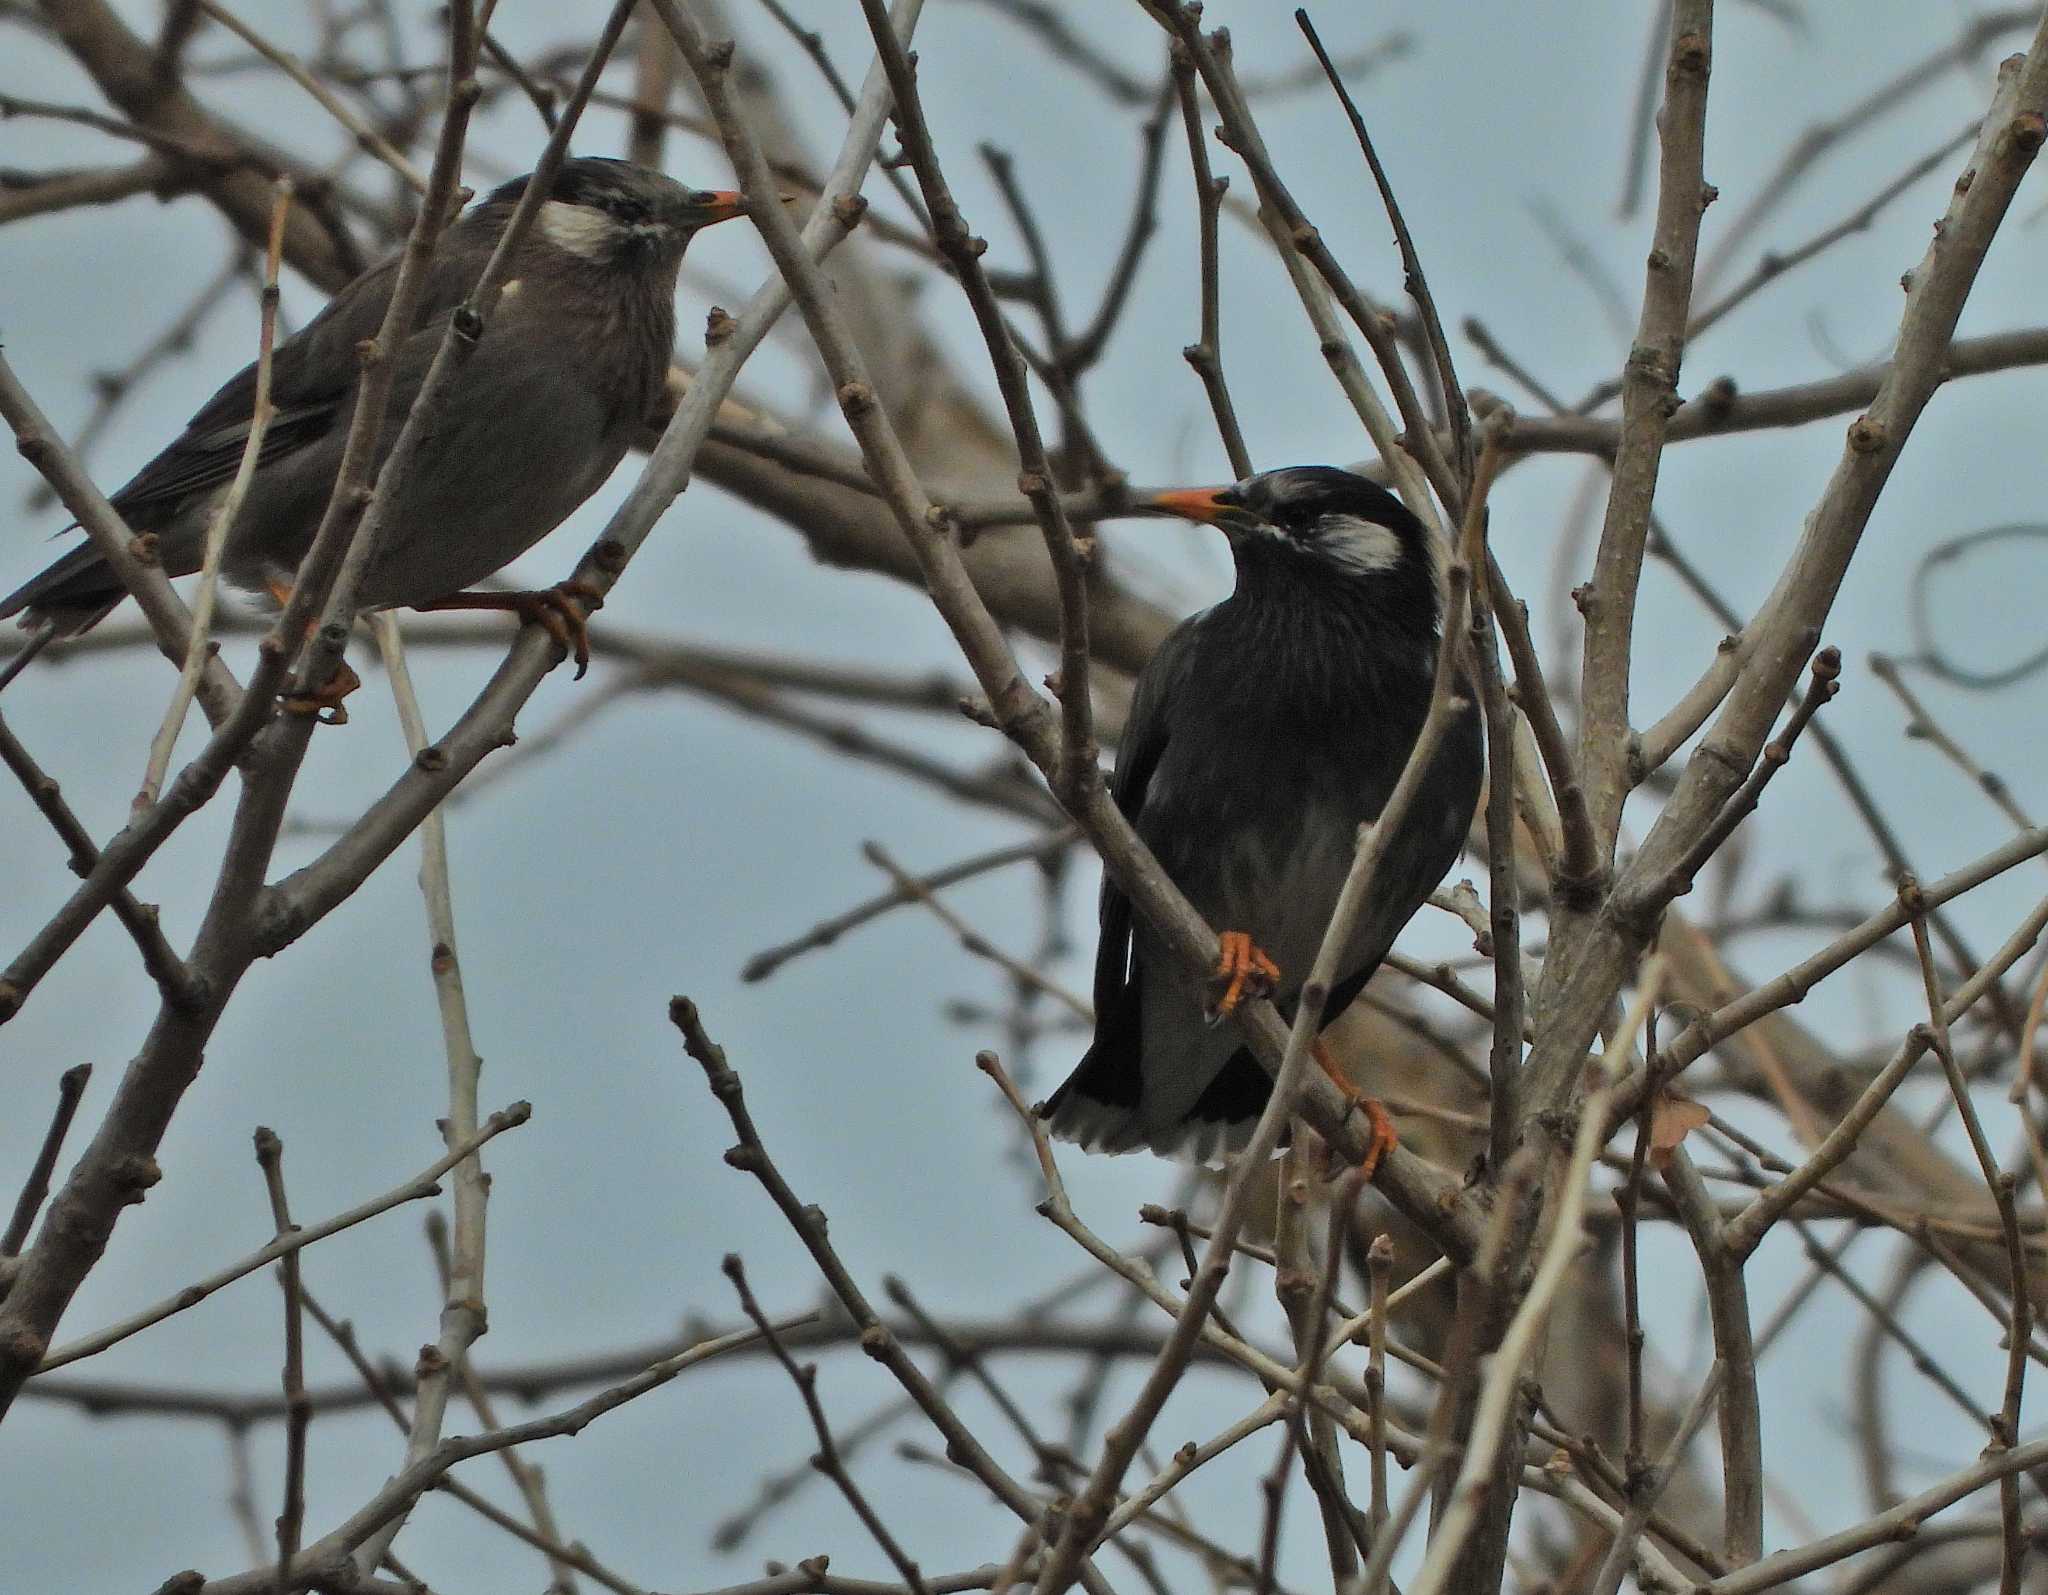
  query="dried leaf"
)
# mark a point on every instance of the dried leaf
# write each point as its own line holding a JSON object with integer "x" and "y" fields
{"x": 1672, "y": 1119}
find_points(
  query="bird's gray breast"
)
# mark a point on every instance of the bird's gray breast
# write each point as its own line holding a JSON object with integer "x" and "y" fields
{"x": 546, "y": 409}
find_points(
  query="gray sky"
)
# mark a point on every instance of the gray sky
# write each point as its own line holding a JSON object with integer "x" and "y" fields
{"x": 673, "y": 839}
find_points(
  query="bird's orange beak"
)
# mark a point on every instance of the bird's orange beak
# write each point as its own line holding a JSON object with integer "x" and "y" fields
{"x": 717, "y": 205}
{"x": 1192, "y": 504}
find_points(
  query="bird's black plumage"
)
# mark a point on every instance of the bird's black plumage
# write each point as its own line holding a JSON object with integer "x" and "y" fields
{"x": 568, "y": 370}
{"x": 1263, "y": 732}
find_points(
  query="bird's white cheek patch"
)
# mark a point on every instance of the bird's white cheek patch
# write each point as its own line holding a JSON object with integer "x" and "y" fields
{"x": 1363, "y": 545}
{"x": 577, "y": 229}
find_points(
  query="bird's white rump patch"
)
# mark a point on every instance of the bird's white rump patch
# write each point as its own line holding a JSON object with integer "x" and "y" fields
{"x": 579, "y": 229}
{"x": 1365, "y": 546}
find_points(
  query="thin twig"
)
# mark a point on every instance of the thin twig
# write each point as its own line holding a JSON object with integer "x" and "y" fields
{"x": 1744, "y": 1232}
{"x": 463, "y": 1307}
{"x": 291, "y": 1520}
{"x": 1883, "y": 1528}
{"x": 526, "y": 1477}
{"x": 1504, "y": 1372}
{"x": 541, "y": 96}
{"x": 1728, "y": 1316}
{"x": 1648, "y": 1484}
{"x": 242, "y": 1491}
{"x": 1790, "y": 987}
{"x": 971, "y": 939}
{"x": 1077, "y": 356}
{"x": 2000, "y": 1184}
{"x": 828, "y": 931}
{"x": 1825, "y": 681}
{"x": 1415, "y": 280}
{"x": 751, "y": 1156}
{"x": 1305, "y": 1293}
{"x": 403, "y": 1490}
{"x": 1077, "y": 768}
{"x": 1578, "y": 862}
{"x": 827, "y": 1461}
{"x": 1503, "y": 938}
{"x": 2023, "y": 1072}
{"x": 161, "y": 961}
{"x": 1649, "y": 386}
{"x": 1643, "y": 113}
{"x": 1413, "y": 457}
{"x": 1190, "y": 1457}
{"x": 71, "y": 1086}
{"x": 1054, "y": 1463}
{"x": 222, "y": 518}
{"x": 1774, "y": 264}
{"x": 1922, "y": 725}
{"x": 1379, "y": 1263}
{"x": 419, "y": 1187}
{"x": 365, "y": 135}
{"x": 1205, "y": 354}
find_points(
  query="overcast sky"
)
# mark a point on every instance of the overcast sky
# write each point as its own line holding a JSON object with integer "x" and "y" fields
{"x": 672, "y": 839}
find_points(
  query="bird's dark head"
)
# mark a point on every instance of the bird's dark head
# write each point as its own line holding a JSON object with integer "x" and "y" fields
{"x": 613, "y": 213}
{"x": 1310, "y": 518}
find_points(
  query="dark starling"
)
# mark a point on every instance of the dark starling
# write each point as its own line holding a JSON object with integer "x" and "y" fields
{"x": 1263, "y": 733}
{"x": 569, "y": 369}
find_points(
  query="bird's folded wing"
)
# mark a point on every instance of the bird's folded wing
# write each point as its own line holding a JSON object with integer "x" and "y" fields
{"x": 204, "y": 459}
{"x": 1146, "y": 732}
{"x": 313, "y": 381}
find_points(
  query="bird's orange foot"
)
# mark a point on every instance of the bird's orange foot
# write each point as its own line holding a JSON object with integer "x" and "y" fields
{"x": 562, "y": 611}
{"x": 1380, "y": 1138}
{"x": 1241, "y": 971}
{"x": 324, "y": 701}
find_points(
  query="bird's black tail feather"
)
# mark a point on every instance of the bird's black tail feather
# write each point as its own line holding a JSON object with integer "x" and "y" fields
{"x": 1101, "y": 1093}
{"x": 1101, "y": 1107}
{"x": 73, "y": 595}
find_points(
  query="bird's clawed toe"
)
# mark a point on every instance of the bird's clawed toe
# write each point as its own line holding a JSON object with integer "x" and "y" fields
{"x": 1380, "y": 1137}
{"x": 562, "y": 611}
{"x": 324, "y": 701}
{"x": 1242, "y": 971}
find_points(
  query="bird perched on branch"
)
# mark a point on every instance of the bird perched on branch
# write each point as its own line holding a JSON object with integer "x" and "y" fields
{"x": 1263, "y": 733}
{"x": 571, "y": 364}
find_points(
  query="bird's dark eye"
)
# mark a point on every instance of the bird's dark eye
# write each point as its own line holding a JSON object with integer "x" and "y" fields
{"x": 629, "y": 210}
